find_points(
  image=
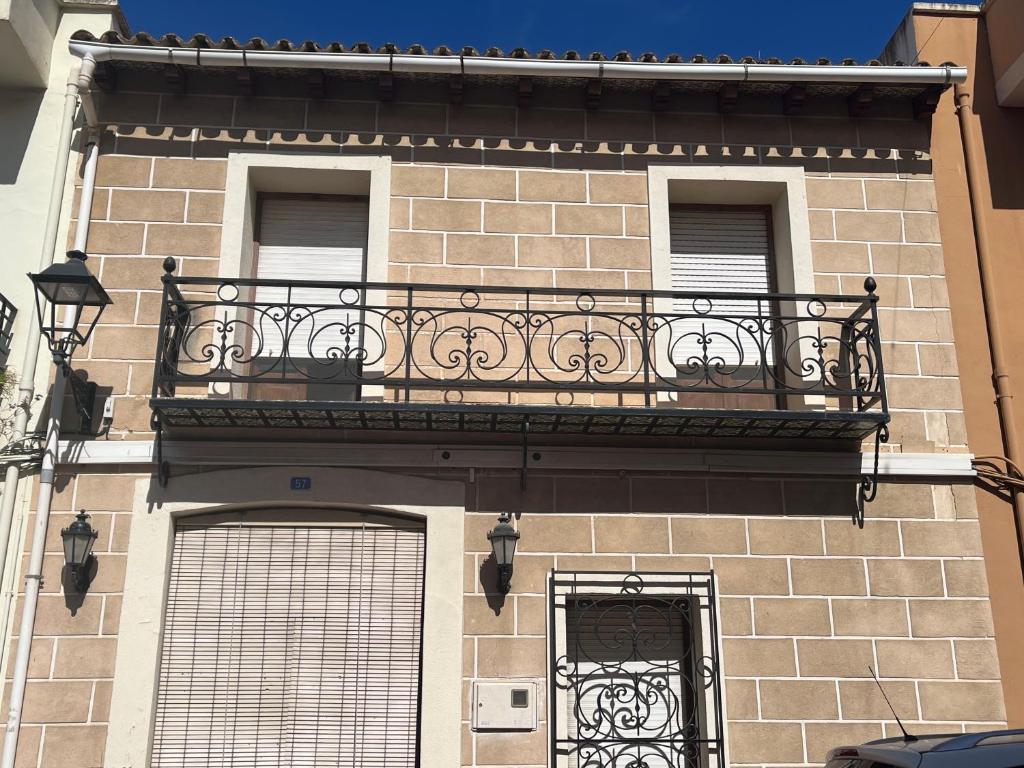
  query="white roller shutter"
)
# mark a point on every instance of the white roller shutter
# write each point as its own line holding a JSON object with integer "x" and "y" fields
{"x": 292, "y": 647}
{"x": 311, "y": 239}
{"x": 719, "y": 250}
{"x": 629, "y": 659}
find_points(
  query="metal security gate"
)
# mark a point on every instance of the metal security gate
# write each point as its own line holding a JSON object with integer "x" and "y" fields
{"x": 291, "y": 646}
{"x": 634, "y": 662}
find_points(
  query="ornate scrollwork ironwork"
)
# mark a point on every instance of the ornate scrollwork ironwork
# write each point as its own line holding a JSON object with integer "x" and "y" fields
{"x": 647, "y": 345}
{"x": 639, "y": 688}
{"x": 868, "y": 488}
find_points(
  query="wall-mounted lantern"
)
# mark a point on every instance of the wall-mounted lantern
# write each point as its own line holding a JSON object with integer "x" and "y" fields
{"x": 79, "y": 538}
{"x": 63, "y": 291}
{"x": 503, "y": 538}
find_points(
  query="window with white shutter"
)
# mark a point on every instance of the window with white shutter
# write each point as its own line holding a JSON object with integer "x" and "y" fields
{"x": 291, "y": 646}
{"x": 716, "y": 249}
{"x": 319, "y": 238}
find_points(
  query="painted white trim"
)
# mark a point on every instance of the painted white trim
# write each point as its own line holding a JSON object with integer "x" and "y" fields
{"x": 439, "y": 504}
{"x": 82, "y": 453}
{"x": 950, "y": 9}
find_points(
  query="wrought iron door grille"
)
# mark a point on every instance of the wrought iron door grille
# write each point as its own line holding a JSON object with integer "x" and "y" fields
{"x": 635, "y": 671}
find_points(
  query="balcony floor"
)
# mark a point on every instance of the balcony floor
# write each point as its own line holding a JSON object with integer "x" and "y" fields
{"x": 552, "y": 420}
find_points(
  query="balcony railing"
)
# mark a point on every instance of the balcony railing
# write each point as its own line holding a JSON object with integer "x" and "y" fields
{"x": 7, "y": 314}
{"x": 434, "y": 355}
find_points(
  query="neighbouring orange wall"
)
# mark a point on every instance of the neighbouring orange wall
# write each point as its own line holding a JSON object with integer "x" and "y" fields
{"x": 964, "y": 40}
{"x": 1004, "y": 20}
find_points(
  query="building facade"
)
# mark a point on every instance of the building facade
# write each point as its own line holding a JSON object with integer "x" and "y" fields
{"x": 981, "y": 224}
{"x": 35, "y": 65}
{"x": 683, "y": 331}
{"x": 35, "y": 68}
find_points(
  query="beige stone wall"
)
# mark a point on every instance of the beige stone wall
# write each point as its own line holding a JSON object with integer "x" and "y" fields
{"x": 529, "y": 197}
{"x": 71, "y": 667}
{"x": 807, "y": 601}
{"x": 557, "y": 197}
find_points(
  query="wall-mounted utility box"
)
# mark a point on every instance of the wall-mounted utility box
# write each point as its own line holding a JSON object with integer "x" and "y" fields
{"x": 504, "y": 705}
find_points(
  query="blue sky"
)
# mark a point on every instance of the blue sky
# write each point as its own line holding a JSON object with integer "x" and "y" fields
{"x": 810, "y": 29}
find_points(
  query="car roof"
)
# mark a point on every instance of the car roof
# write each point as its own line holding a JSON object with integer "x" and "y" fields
{"x": 949, "y": 742}
{"x": 903, "y": 753}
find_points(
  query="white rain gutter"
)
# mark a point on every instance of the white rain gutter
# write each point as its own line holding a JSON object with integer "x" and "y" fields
{"x": 487, "y": 65}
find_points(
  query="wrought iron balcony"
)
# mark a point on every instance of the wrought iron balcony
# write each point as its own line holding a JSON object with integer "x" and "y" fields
{"x": 420, "y": 358}
{"x": 7, "y": 314}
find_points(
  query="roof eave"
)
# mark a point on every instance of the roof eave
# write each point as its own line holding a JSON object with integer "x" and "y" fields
{"x": 922, "y": 75}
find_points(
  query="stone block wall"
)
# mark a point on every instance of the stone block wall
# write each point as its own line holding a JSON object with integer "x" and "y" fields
{"x": 807, "y": 601}
{"x": 71, "y": 666}
{"x": 493, "y": 194}
{"x": 496, "y": 195}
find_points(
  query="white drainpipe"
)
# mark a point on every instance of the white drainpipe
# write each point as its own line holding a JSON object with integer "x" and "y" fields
{"x": 488, "y": 65}
{"x": 78, "y": 87}
{"x": 26, "y": 386}
{"x": 92, "y": 155}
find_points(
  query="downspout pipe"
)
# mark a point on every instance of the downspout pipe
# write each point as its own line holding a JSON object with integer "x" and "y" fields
{"x": 492, "y": 65}
{"x": 26, "y": 384}
{"x": 976, "y": 183}
{"x": 78, "y": 87}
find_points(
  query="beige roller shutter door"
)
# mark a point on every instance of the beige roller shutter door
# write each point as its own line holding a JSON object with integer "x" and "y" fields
{"x": 291, "y": 646}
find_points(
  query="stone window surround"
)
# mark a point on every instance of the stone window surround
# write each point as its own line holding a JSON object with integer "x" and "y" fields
{"x": 251, "y": 173}
{"x": 248, "y": 174}
{"x": 439, "y": 504}
{"x": 783, "y": 188}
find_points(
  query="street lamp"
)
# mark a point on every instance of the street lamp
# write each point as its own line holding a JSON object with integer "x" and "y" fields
{"x": 63, "y": 292}
{"x": 503, "y": 540}
{"x": 78, "y": 539}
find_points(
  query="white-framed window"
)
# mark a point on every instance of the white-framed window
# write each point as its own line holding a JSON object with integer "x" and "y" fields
{"x": 312, "y": 334}
{"x": 722, "y": 249}
{"x": 290, "y": 218}
{"x": 773, "y": 253}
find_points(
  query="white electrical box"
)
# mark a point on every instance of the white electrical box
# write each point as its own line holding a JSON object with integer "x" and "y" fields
{"x": 504, "y": 705}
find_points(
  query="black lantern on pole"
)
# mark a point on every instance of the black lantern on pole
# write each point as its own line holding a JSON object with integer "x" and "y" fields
{"x": 79, "y": 538}
{"x": 503, "y": 538}
{"x": 63, "y": 291}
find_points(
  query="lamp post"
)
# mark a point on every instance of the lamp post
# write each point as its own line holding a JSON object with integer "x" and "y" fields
{"x": 63, "y": 294}
{"x": 503, "y": 538}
